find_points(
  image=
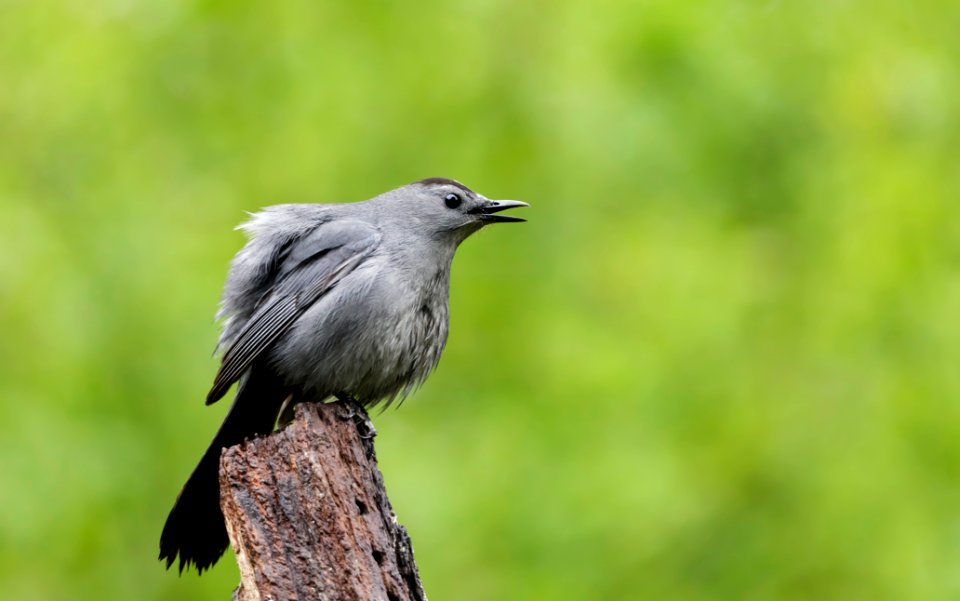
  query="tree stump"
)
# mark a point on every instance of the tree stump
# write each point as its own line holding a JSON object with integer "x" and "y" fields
{"x": 308, "y": 515}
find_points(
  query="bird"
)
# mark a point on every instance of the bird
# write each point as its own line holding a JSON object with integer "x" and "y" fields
{"x": 347, "y": 301}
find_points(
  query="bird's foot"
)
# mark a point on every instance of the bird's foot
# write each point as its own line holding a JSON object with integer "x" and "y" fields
{"x": 358, "y": 414}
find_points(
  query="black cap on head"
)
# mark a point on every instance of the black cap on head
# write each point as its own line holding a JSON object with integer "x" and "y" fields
{"x": 443, "y": 181}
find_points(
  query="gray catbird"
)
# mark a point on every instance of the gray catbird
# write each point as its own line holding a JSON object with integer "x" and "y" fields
{"x": 345, "y": 300}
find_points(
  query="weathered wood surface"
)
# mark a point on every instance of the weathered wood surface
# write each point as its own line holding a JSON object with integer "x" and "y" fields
{"x": 308, "y": 515}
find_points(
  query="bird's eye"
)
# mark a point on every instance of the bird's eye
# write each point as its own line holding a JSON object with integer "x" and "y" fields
{"x": 452, "y": 200}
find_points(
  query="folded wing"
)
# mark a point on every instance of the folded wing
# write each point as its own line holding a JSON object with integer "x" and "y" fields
{"x": 313, "y": 266}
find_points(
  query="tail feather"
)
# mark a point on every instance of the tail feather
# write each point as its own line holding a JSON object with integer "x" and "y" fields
{"x": 195, "y": 529}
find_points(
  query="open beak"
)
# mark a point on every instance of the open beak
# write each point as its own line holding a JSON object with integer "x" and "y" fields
{"x": 486, "y": 211}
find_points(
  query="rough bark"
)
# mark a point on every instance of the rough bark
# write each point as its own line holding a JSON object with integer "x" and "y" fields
{"x": 308, "y": 515}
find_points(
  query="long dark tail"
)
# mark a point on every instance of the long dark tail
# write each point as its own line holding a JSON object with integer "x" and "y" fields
{"x": 195, "y": 529}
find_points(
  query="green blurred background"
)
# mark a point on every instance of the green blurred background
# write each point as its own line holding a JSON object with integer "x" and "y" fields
{"x": 719, "y": 362}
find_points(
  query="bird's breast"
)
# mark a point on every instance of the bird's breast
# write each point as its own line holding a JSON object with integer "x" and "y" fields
{"x": 377, "y": 334}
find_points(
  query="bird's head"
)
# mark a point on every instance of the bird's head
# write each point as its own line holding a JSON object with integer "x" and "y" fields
{"x": 448, "y": 210}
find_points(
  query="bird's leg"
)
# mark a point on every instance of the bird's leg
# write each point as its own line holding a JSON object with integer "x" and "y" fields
{"x": 358, "y": 414}
{"x": 286, "y": 412}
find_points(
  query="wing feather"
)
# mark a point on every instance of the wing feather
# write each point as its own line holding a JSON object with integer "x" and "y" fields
{"x": 335, "y": 255}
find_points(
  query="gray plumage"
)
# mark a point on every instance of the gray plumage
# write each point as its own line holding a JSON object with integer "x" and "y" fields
{"x": 335, "y": 299}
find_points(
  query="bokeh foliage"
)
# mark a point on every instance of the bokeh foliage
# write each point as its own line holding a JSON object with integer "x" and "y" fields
{"x": 719, "y": 362}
